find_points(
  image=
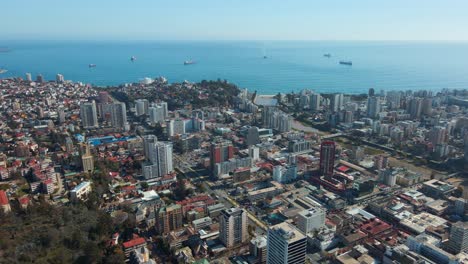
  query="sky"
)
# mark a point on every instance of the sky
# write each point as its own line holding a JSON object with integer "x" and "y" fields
{"x": 406, "y": 20}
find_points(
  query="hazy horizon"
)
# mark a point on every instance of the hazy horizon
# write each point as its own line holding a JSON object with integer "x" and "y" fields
{"x": 211, "y": 20}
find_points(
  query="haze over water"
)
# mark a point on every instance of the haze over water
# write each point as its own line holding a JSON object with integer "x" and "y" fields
{"x": 290, "y": 66}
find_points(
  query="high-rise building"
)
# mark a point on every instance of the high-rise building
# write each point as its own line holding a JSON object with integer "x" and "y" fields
{"x": 87, "y": 159}
{"x": 371, "y": 92}
{"x": 221, "y": 151}
{"x": 233, "y": 227}
{"x": 252, "y": 137}
{"x": 39, "y": 78}
{"x": 148, "y": 143}
{"x": 426, "y": 107}
{"x": 327, "y": 158}
{"x": 119, "y": 115}
{"x": 315, "y": 102}
{"x": 438, "y": 135}
{"x": 158, "y": 112}
{"x": 415, "y": 107}
{"x": 394, "y": 99}
{"x": 311, "y": 219}
{"x": 254, "y": 153}
{"x": 284, "y": 174}
{"x": 88, "y": 115}
{"x": 465, "y": 144}
{"x": 276, "y": 119}
{"x": 141, "y": 107}
{"x": 169, "y": 218}
{"x": 160, "y": 159}
{"x": 373, "y": 107}
{"x": 458, "y": 241}
{"x": 285, "y": 244}
{"x": 28, "y": 77}
{"x": 258, "y": 249}
{"x": 61, "y": 115}
{"x": 336, "y": 102}
{"x": 59, "y": 78}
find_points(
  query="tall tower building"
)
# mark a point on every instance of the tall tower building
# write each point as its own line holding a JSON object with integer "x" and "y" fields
{"x": 141, "y": 107}
{"x": 28, "y": 77}
{"x": 148, "y": 143}
{"x": 40, "y": 78}
{"x": 327, "y": 158}
{"x": 315, "y": 102}
{"x": 415, "y": 107}
{"x": 438, "y": 135}
{"x": 258, "y": 249}
{"x": 373, "y": 107}
{"x": 336, "y": 102}
{"x": 88, "y": 115}
{"x": 253, "y": 136}
{"x": 59, "y": 78}
{"x": 220, "y": 152}
{"x": 458, "y": 241}
{"x": 160, "y": 159}
{"x": 285, "y": 245}
{"x": 119, "y": 115}
{"x": 233, "y": 227}
{"x": 371, "y": 92}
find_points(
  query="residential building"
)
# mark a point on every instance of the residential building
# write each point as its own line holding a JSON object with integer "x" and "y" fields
{"x": 81, "y": 191}
{"x": 311, "y": 219}
{"x": 458, "y": 241}
{"x": 169, "y": 218}
{"x": 327, "y": 158}
{"x": 88, "y": 115}
{"x": 233, "y": 227}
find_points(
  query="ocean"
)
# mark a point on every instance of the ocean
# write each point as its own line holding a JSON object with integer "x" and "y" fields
{"x": 289, "y": 66}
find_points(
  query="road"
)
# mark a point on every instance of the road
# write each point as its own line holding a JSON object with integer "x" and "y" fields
{"x": 207, "y": 188}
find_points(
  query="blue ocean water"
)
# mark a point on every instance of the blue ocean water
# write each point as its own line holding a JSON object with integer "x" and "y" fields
{"x": 290, "y": 66}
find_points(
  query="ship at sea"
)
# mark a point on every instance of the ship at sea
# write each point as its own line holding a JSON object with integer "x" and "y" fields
{"x": 92, "y": 65}
{"x": 328, "y": 55}
{"x": 188, "y": 62}
{"x": 3, "y": 71}
{"x": 346, "y": 63}
{"x": 133, "y": 58}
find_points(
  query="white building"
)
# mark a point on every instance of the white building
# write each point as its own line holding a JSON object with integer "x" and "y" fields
{"x": 311, "y": 219}
{"x": 160, "y": 160}
{"x": 141, "y": 107}
{"x": 285, "y": 244}
{"x": 81, "y": 191}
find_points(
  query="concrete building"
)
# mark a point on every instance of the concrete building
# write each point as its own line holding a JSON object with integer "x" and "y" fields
{"x": 169, "y": 218}
{"x": 258, "y": 249}
{"x": 327, "y": 158}
{"x": 252, "y": 137}
{"x": 160, "y": 160}
{"x": 221, "y": 151}
{"x": 299, "y": 145}
{"x": 336, "y": 102}
{"x": 59, "y": 78}
{"x": 284, "y": 174}
{"x": 81, "y": 191}
{"x": 233, "y": 227}
{"x": 285, "y": 244}
{"x": 373, "y": 107}
{"x": 314, "y": 101}
{"x": 158, "y": 112}
{"x": 311, "y": 219}
{"x": 458, "y": 241}
{"x": 119, "y": 115}
{"x": 88, "y": 115}
{"x": 141, "y": 107}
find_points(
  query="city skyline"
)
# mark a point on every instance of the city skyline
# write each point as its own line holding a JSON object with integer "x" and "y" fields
{"x": 261, "y": 20}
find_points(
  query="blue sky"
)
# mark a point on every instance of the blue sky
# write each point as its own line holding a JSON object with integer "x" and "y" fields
{"x": 234, "y": 19}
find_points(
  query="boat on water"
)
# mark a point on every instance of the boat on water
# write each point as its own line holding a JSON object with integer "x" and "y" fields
{"x": 3, "y": 71}
{"x": 92, "y": 65}
{"x": 265, "y": 57}
{"x": 188, "y": 62}
{"x": 133, "y": 58}
{"x": 328, "y": 55}
{"x": 346, "y": 63}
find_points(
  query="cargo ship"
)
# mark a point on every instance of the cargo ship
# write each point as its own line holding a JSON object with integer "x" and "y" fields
{"x": 92, "y": 65}
{"x": 346, "y": 63}
{"x": 328, "y": 55}
{"x": 188, "y": 62}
